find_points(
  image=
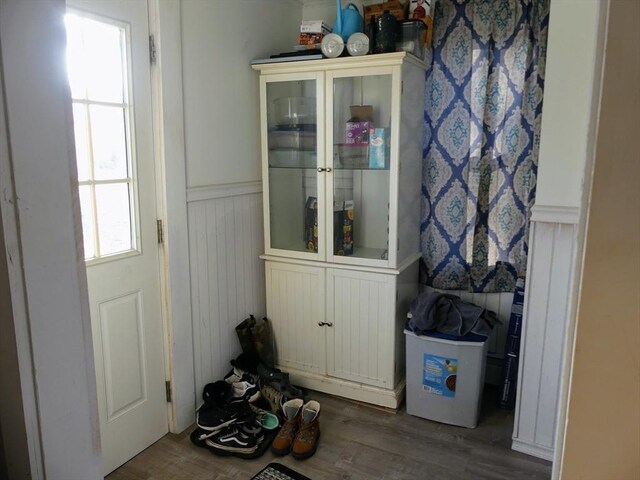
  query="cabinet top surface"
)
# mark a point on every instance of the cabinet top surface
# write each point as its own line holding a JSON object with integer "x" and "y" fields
{"x": 397, "y": 58}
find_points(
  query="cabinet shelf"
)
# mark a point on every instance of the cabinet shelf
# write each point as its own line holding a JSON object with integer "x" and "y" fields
{"x": 292, "y": 158}
{"x": 340, "y": 167}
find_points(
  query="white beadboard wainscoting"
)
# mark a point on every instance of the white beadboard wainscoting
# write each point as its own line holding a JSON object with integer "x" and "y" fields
{"x": 500, "y": 303}
{"x": 549, "y": 272}
{"x": 227, "y": 276}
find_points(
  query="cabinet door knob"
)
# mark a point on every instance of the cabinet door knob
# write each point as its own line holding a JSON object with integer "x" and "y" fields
{"x": 320, "y": 169}
{"x": 327, "y": 169}
{"x": 321, "y": 324}
{"x": 329, "y": 324}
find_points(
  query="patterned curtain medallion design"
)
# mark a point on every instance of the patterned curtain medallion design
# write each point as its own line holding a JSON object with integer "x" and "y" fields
{"x": 483, "y": 107}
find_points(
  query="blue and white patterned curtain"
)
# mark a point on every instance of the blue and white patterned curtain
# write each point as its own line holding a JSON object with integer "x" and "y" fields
{"x": 483, "y": 109}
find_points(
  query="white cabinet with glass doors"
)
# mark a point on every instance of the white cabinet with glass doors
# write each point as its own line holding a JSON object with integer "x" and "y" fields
{"x": 341, "y": 164}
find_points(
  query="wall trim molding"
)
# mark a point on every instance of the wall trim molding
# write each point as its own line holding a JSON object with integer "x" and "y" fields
{"x": 539, "y": 451}
{"x": 199, "y": 194}
{"x": 555, "y": 214}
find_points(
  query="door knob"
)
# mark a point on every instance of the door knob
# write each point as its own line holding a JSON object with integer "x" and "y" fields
{"x": 329, "y": 324}
{"x": 321, "y": 324}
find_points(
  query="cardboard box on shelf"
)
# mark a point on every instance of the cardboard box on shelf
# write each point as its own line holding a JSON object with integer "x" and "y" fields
{"x": 358, "y": 126}
{"x": 310, "y": 38}
{"x": 423, "y": 10}
{"x": 377, "y": 148}
{"x": 343, "y": 214}
{"x": 314, "y": 26}
{"x": 311, "y": 224}
{"x": 396, "y": 8}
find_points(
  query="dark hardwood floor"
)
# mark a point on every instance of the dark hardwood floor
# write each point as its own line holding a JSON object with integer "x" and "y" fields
{"x": 360, "y": 442}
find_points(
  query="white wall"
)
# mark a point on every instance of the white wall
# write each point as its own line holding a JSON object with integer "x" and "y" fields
{"x": 566, "y": 111}
{"x": 42, "y": 229}
{"x": 219, "y": 40}
{"x": 571, "y": 92}
{"x": 326, "y": 9}
{"x": 221, "y": 146}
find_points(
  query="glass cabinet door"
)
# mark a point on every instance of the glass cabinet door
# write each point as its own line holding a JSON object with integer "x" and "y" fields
{"x": 292, "y": 161}
{"x": 359, "y": 142}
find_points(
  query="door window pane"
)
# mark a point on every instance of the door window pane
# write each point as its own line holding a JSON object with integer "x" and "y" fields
{"x": 81, "y": 133}
{"x": 87, "y": 221}
{"x": 75, "y": 56}
{"x": 114, "y": 218}
{"x": 108, "y": 138}
{"x": 97, "y": 67}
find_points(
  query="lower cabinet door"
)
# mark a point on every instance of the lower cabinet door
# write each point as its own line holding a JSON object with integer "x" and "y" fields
{"x": 362, "y": 332}
{"x": 296, "y": 308}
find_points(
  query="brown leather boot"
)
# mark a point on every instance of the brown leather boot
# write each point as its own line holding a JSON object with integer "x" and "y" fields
{"x": 282, "y": 443}
{"x": 305, "y": 442}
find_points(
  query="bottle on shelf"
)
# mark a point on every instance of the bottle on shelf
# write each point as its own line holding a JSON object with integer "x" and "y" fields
{"x": 385, "y": 40}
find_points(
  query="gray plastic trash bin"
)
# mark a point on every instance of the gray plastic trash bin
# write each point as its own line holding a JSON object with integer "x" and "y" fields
{"x": 445, "y": 379}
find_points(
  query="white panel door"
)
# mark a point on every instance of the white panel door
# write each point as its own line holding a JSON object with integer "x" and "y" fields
{"x": 109, "y": 72}
{"x": 361, "y": 318}
{"x": 295, "y": 306}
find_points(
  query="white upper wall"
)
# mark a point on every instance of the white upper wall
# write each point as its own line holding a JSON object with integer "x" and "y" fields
{"x": 221, "y": 117}
{"x": 566, "y": 111}
{"x": 326, "y": 9}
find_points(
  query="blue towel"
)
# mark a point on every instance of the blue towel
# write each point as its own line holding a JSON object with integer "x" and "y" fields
{"x": 450, "y": 315}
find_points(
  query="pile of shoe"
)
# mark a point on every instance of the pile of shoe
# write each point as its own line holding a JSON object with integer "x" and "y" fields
{"x": 242, "y": 414}
{"x": 229, "y": 422}
{"x": 276, "y": 388}
{"x": 301, "y": 430}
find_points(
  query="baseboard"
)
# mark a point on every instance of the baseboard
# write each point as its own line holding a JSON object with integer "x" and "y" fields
{"x": 388, "y": 398}
{"x": 534, "y": 450}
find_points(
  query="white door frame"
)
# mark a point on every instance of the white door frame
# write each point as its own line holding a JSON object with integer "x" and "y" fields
{"x": 167, "y": 105}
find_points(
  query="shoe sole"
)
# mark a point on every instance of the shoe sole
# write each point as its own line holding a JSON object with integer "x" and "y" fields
{"x": 302, "y": 456}
{"x": 280, "y": 453}
{"x": 224, "y": 448}
{"x": 217, "y": 428}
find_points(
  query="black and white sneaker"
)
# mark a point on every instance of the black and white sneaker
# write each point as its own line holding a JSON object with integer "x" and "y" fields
{"x": 241, "y": 391}
{"x": 217, "y": 393}
{"x": 233, "y": 439}
{"x": 212, "y": 418}
{"x": 253, "y": 429}
{"x": 238, "y": 375}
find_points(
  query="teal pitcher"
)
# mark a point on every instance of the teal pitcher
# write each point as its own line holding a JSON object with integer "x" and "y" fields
{"x": 348, "y": 21}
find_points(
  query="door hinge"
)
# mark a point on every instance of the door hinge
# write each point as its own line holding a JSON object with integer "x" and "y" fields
{"x": 152, "y": 50}
{"x": 160, "y": 232}
{"x": 167, "y": 387}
